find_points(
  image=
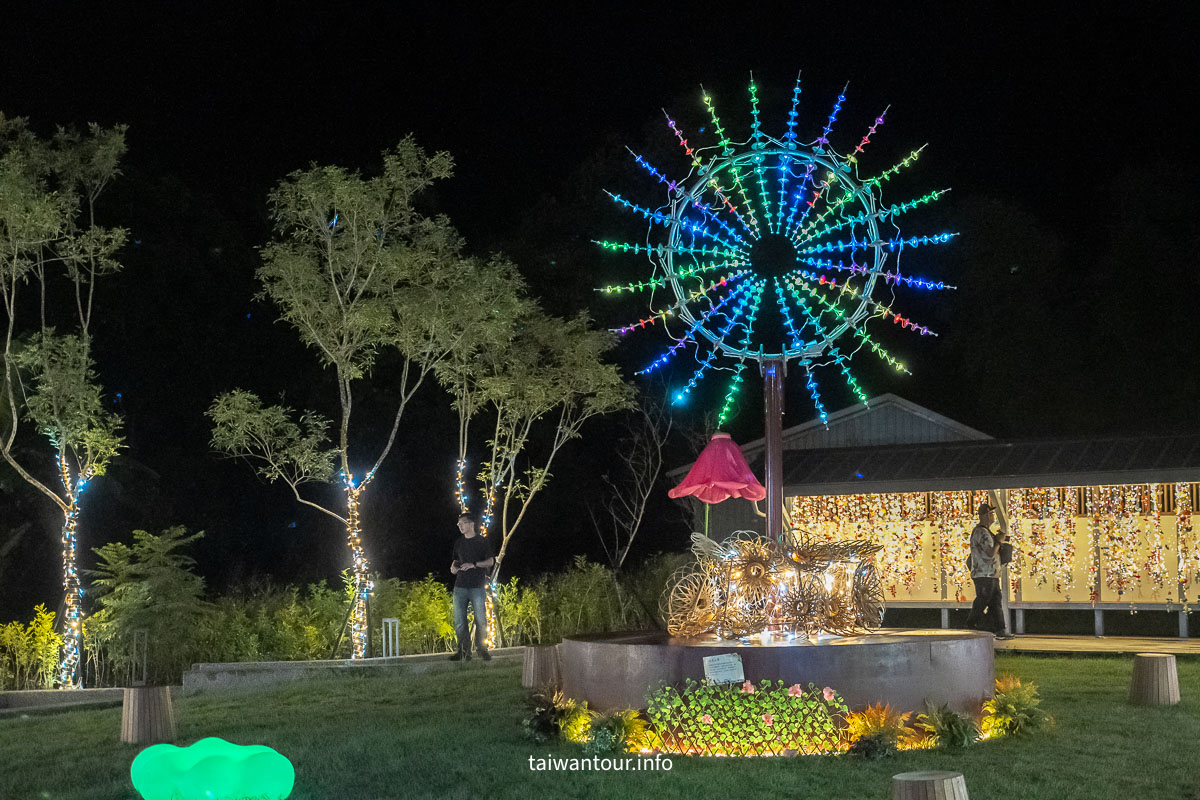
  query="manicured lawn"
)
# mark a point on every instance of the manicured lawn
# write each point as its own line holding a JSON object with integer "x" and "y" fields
{"x": 456, "y": 734}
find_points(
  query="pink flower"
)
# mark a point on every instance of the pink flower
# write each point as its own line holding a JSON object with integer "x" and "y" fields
{"x": 795, "y": 690}
{"x": 747, "y": 688}
{"x": 828, "y": 694}
{"x": 706, "y": 719}
{"x": 769, "y": 719}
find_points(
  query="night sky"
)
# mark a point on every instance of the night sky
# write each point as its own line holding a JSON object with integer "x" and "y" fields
{"x": 1066, "y": 139}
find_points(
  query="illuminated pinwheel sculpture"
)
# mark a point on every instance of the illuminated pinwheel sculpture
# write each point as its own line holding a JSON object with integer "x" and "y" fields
{"x": 773, "y": 250}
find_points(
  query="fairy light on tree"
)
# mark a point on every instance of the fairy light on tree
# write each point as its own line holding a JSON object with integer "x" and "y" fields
{"x": 356, "y": 270}
{"x": 48, "y": 195}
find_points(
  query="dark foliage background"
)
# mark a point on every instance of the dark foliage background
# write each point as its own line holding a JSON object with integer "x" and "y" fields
{"x": 1063, "y": 134}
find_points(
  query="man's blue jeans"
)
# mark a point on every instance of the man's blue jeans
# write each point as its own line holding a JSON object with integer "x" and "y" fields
{"x": 475, "y": 598}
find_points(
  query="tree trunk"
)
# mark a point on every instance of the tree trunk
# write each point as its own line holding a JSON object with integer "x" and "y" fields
{"x": 1155, "y": 680}
{"x": 147, "y": 716}
{"x": 929, "y": 786}
{"x": 360, "y": 633}
{"x": 72, "y": 618}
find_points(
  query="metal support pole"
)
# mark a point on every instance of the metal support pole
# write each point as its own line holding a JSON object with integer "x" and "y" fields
{"x": 1019, "y": 624}
{"x": 773, "y": 372}
{"x": 1099, "y": 623}
{"x": 945, "y": 618}
{"x": 1183, "y": 626}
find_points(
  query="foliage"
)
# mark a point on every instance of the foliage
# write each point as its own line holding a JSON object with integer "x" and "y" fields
{"x": 63, "y": 399}
{"x": 267, "y": 436}
{"x": 48, "y": 191}
{"x": 424, "y": 610}
{"x": 880, "y": 744}
{"x": 742, "y": 719}
{"x": 945, "y": 727}
{"x": 520, "y": 612}
{"x": 553, "y": 715}
{"x": 879, "y": 719}
{"x": 265, "y": 622}
{"x": 29, "y": 654}
{"x": 553, "y": 370}
{"x": 619, "y": 731}
{"x": 149, "y": 587}
{"x": 1014, "y": 709}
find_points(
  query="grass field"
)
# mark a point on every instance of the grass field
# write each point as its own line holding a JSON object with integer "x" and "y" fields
{"x": 456, "y": 734}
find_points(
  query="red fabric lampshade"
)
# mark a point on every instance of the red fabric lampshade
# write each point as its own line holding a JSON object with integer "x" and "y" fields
{"x": 720, "y": 472}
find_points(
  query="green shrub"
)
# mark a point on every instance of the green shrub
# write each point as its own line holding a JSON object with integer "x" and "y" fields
{"x": 29, "y": 654}
{"x": 520, "y": 613}
{"x": 877, "y": 719}
{"x": 742, "y": 719}
{"x": 150, "y": 587}
{"x": 553, "y": 715}
{"x": 619, "y": 731}
{"x": 880, "y": 744}
{"x": 945, "y": 727}
{"x": 1015, "y": 709}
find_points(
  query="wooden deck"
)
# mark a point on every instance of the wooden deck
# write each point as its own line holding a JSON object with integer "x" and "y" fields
{"x": 1102, "y": 644}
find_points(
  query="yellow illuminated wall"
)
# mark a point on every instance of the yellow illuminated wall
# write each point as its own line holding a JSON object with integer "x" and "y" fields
{"x": 1124, "y": 540}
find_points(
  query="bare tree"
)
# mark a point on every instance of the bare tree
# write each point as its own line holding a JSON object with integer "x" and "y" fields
{"x": 618, "y": 515}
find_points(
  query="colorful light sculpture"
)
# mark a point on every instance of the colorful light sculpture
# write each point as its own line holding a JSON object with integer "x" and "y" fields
{"x": 771, "y": 249}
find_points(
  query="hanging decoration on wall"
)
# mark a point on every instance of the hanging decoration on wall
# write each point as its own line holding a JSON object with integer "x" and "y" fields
{"x": 1120, "y": 536}
{"x": 772, "y": 248}
{"x": 1042, "y": 531}
{"x": 1187, "y": 548}
{"x": 1155, "y": 566}
{"x": 895, "y": 522}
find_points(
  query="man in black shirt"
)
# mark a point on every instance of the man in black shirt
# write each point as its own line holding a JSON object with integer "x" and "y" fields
{"x": 472, "y": 560}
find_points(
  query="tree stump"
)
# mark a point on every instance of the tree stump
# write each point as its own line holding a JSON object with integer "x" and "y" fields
{"x": 147, "y": 716}
{"x": 541, "y": 667}
{"x": 929, "y": 786}
{"x": 1155, "y": 680}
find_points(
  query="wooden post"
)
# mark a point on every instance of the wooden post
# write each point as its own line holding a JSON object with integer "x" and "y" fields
{"x": 147, "y": 716}
{"x": 773, "y": 371}
{"x": 541, "y": 667}
{"x": 1155, "y": 680}
{"x": 929, "y": 786}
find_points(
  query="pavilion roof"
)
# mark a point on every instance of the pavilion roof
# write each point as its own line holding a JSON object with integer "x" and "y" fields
{"x": 991, "y": 464}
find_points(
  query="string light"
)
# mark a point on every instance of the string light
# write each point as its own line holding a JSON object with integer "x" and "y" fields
{"x": 734, "y": 170}
{"x": 853, "y": 157}
{"x": 666, "y": 219}
{"x": 1187, "y": 549}
{"x": 823, "y": 139}
{"x": 363, "y": 585}
{"x": 883, "y": 311}
{"x": 460, "y": 489}
{"x": 692, "y": 330}
{"x": 894, "y": 210}
{"x": 74, "y": 487}
{"x": 750, "y": 298}
{"x": 898, "y": 243}
{"x": 891, "y": 276}
{"x": 841, "y": 315}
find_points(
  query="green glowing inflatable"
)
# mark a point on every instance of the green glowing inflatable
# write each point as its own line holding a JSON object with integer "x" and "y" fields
{"x": 211, "y": 769}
